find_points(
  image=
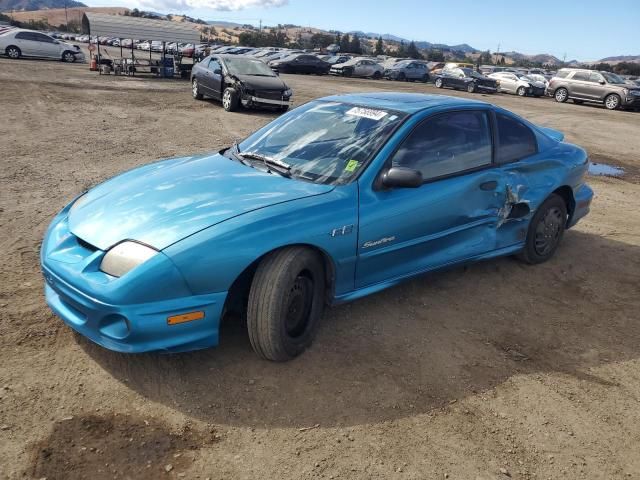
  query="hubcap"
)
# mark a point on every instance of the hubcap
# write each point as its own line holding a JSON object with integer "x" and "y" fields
{"x": 13, "y": 53}
{"x": 226, "y": 100}
{"x": 299, "y": 306}
{"x": 612, "y": 102}
{"x": 521, "y": 91}
{"x": 195, "y": 88}
{"x": 438, "y": 83}
{"x": 548, "y": 231}
{"x": 561, "y": 95}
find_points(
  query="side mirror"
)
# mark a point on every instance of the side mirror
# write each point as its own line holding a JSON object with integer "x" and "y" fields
{"x": 217, "y": 71}
{"x": 602, "y": 82}
{"x": 401, "y": 177}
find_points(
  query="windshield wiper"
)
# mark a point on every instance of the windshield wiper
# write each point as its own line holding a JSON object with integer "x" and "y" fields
{"x": 279, "y": 166}
{"x": 235, "y": 152}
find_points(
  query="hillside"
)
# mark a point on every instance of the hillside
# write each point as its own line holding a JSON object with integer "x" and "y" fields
{"x": 56, "y": 16}
{"x": 9, "y": 5}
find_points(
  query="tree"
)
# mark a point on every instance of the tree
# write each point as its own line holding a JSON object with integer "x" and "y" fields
{"x": 355, "y": 46}
{"x": 321, "y": 40}
{"x": 345, "y": 43}
{"x": 412, "y": 51}
{"x": 402, "y": 50}
{"x": 379, "y": 47}
{"x": 435, "y": 56}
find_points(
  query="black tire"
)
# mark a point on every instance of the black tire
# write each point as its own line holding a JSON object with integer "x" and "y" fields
{"x": 195, "y": 90}
{"x": 285, "y": 303}
{"x": 402, "y": 77}
{"x": 68, "y": 56}
{"x": 612, "y": 101}
{"x": 13, "y": 52}
{"x": 347, "y": 72}
{"x": 377, "y": 75}
{"x": 521, "y": 91}
{"x": 438, "y": 83}
{"x": 561, "y": 95}
{"x": 471, "y": 87}
{"x": 425, "y": 78}
{"x": 230, "y": 100}
{"x": 545, "y": 231}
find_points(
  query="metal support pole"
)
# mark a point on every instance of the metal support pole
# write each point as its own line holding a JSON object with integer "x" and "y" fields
{"x": 99, "y": 64}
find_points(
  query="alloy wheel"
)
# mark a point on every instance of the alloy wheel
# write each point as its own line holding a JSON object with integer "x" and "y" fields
{"x": 612, "y": 102}
{"x": 226, "y": 100}
{"x": 13, "y": 53}
{"x": 194, "y": 88}
{"x": 561, "y": 95}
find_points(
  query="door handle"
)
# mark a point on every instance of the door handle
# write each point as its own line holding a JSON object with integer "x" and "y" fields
{"x": 490, "y": 185}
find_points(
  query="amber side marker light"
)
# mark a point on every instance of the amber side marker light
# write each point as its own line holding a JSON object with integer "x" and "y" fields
{"x": 185, "y": 317}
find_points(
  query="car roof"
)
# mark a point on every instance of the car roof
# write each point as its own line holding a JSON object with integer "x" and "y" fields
{"x": 402, "y": 102}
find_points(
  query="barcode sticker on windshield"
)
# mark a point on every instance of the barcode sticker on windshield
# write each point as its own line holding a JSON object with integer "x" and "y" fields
{"x": 367, "y": 113}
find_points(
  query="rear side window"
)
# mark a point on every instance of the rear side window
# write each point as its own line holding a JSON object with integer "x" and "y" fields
{"x": 583, "y": 76}
{"x": 24, "y": 36}
{"x": 515, "y": 140}
{"x": 447, "y": 144}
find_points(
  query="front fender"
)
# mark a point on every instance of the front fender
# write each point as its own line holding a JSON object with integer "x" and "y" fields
{"x": 212, "y": 259}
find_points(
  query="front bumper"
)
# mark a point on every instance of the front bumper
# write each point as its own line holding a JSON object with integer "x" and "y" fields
{"x": 136, "y": 328}
{"x": 631, "y": 100}
{"x": 130, "y": 313}
{"x": 486, "y": 88}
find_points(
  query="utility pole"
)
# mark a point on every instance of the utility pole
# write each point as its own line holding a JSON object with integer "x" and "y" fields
{"x": 497, "y": 52}
{"x": 66, "y": 16}
{"x": 260, "y": 25}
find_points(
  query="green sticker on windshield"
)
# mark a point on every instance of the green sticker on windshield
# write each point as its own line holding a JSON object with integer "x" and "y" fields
{"x": 351, "y": 166}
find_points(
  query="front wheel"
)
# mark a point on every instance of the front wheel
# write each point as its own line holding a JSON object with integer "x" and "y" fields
{"x": 425, "y": 78}
{"x": 68, "y": 57}
{"x": 13, "y": 52}
{"x": 285, "y": 303}
{"x": 612, "y": 102}
{"x": 471, "y": 87}
{"x": 545, "y": 230}
{"x": 438, "y": 83}
{"x": 195, "y": 90}
{"x": 521, "y": 92}
{"x": 377, "y": 76}
{"x": 230, "y": 100}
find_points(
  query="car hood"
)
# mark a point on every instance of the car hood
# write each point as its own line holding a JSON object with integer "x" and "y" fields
{"x": 262, "y": 83}
{"x": 164, "y": 202}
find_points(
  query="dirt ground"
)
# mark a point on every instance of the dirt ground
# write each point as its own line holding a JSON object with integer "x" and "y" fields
{"x": 490, "y": 371}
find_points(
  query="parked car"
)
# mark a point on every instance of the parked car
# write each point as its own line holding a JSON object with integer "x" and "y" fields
{"x": 519, "y": 84}
{"x": 337, "y": 59}
{"x": 537, "y": 77}
{"x": 317, "y": 207}
{"x": 592, "y": 86}
{"x": 19, "y": 43}
{"x": 358, "y": 67}
{"x": 466, "y": 79}
{"x": 300, "y": 63}
{"x": 407, "y": 71}
{"x": 239, "y": 81}
{"x": 436, "y": 70}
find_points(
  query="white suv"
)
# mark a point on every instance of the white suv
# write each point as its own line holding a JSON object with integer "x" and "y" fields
{"x": 18, "y": 43}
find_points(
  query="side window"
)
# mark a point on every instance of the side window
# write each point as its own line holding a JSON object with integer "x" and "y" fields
{"x": 214, "y": 65}
{"x": 562, "y": 74}
{"x": 596, "y": 77}
{"x": 582, "y": 76}
{"x": 515, "y": 140}
{"x": 39, "y": 37}
{"x": 23, "y": 36}
{"x": 446, "y": 144}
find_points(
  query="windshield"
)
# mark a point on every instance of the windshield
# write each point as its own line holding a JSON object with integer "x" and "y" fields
{"x": 248, "y": 66}
{"x": 613, "y": 78}
{"x": 323, "y": 142}
{"x": 471, "y": 73}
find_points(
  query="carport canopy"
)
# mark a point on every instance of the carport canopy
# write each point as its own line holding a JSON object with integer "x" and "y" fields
{"x": 134, "y": 28}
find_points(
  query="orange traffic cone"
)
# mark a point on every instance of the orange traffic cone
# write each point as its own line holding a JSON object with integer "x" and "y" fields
{"x": 93, "y": 66}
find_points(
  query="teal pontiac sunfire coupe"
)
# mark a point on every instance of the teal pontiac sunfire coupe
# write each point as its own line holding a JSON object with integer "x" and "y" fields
{"x": 342, "y": 197}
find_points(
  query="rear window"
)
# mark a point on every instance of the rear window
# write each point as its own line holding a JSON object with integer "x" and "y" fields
{"x": 515, "y": 140}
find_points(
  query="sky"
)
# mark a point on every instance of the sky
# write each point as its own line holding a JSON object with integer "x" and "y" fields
{"x": 578, "y": 29}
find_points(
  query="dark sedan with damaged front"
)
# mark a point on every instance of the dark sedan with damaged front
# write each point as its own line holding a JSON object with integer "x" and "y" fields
{"x": 238, "y": 81}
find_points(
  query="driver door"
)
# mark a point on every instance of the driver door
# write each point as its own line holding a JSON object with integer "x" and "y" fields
{"x": 453, "y": 216}
{"x": 213, "y": 78}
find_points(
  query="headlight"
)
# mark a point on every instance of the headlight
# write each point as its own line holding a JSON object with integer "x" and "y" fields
{"x": 124, "y": 257}
{"x": 288, "y": 92}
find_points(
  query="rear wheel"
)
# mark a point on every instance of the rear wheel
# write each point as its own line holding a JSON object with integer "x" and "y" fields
{"x": 561, "y": 95}
{"x": 13, "y": 52}
{"x": 230, "y": 100}
{"x": 521, "y": 91}
{"x": 285, "y": 303}
{"x": 425, "y": 78}
{"x": 402, "y": 77}
{"x": 471, "y": 87}
{"x": 612, "y": 102}
{"x": 195, "y": 90}
{"x": 545, "y": 230}
{"x": 377, "y": 76}
{"x": 438, "y": 83}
